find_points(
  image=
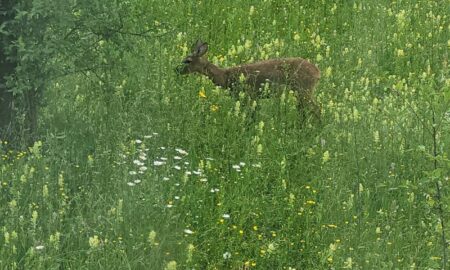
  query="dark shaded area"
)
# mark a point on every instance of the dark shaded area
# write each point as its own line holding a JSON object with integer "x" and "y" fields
{"x": 7, "y": 67}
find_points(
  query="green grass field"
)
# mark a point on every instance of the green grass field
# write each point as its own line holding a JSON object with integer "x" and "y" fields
{"x": 144, "y": 169}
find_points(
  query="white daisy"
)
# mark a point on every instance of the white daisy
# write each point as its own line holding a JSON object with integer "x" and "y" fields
{"x": 226, "y": 255}
{"x": 181, "y": 151}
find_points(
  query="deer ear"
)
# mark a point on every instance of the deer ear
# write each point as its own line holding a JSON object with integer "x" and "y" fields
{"x": 195, "y": 46}
{"x": 202, "y": 48}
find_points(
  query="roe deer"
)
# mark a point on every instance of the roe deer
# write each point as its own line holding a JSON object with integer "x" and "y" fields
{"x": 297, "y": 73}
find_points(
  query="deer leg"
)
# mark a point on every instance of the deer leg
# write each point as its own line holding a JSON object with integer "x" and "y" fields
{"x": 307, "y": 105}
{"x": 301, "y": 108}
{"x": 252, "y": 107}
{"x": 315, "y": 108}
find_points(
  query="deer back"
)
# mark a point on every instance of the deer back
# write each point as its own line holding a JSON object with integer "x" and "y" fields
{"x": 297, "y": 73}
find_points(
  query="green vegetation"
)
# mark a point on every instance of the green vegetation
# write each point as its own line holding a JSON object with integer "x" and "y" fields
{"x": 138, "y": 168}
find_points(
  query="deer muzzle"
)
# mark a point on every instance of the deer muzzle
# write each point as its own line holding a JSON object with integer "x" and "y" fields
{"x": 181, "y": 69}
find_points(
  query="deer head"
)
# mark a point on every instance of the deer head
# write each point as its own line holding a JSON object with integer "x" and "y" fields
{"x": 194, "y": 62}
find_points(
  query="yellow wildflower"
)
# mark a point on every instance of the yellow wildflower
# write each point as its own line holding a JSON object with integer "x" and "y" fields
{"x": 202, "y": 93}
{"x": 152, "y": 238}
{"x": 94, "y": 242}
{"x": 252, "y": 10}
{"x": 214, "y": 108}
{"x": 172, "y": 265}
{"x": 328, "y": 72}
{"x": 326, "y": 156}
{"x": 311, "y": 202}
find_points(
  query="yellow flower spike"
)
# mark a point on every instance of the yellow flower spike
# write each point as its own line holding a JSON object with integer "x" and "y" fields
{"x": 7, "y": 237}
{"x": 311, "y": 202}
{"x": 291, "y": 199}
{"x": 12, "y": 204}
{"x": 326, "y": 157}
{"x": 190, "y": 251}
{"x": 152, "y": 238}
{"x": 333, "y": 247}
{"x": 328, "y": 72}
{"x": 34, "y": 217}
{"x": 94, "y": 241}
{"x": 240, "y": 49}
{"x": 242, "y": 78}
{"x": 259, "y": 149}
{"x": 271, "y": 248}
{"x": 202, "y": 93}
{"x": 348, "y": 264}
{"x": 214, "y": 108}
{"x": 172, "y": 265}
{"x": 319, "y": 57}
{"x": 90, "y": 159}
{"x": 45, "y": 191}
{"x": 252, "y": 11}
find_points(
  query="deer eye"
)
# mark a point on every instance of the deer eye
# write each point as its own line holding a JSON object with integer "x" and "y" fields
{"x": 187, "y": 61}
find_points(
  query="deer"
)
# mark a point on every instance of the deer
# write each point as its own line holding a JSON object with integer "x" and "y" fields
{"x": 298, "y": 74}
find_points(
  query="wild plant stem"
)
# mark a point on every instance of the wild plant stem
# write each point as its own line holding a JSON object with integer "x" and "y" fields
{"x": 438, "y": 195}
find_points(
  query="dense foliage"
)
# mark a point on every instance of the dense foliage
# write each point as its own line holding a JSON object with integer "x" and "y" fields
{"x": 135, "y": 167}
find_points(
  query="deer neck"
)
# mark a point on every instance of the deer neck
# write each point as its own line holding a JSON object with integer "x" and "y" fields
{"x": 217, "y": 75}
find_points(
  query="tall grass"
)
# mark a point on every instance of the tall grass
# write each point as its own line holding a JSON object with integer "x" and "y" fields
{"x": 156, "y": 171}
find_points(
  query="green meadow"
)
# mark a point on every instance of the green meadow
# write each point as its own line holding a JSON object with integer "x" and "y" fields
{"x": 136, "y": 167}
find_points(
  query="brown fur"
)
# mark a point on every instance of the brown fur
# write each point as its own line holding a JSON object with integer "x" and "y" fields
{"x": 297, "y": 73}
